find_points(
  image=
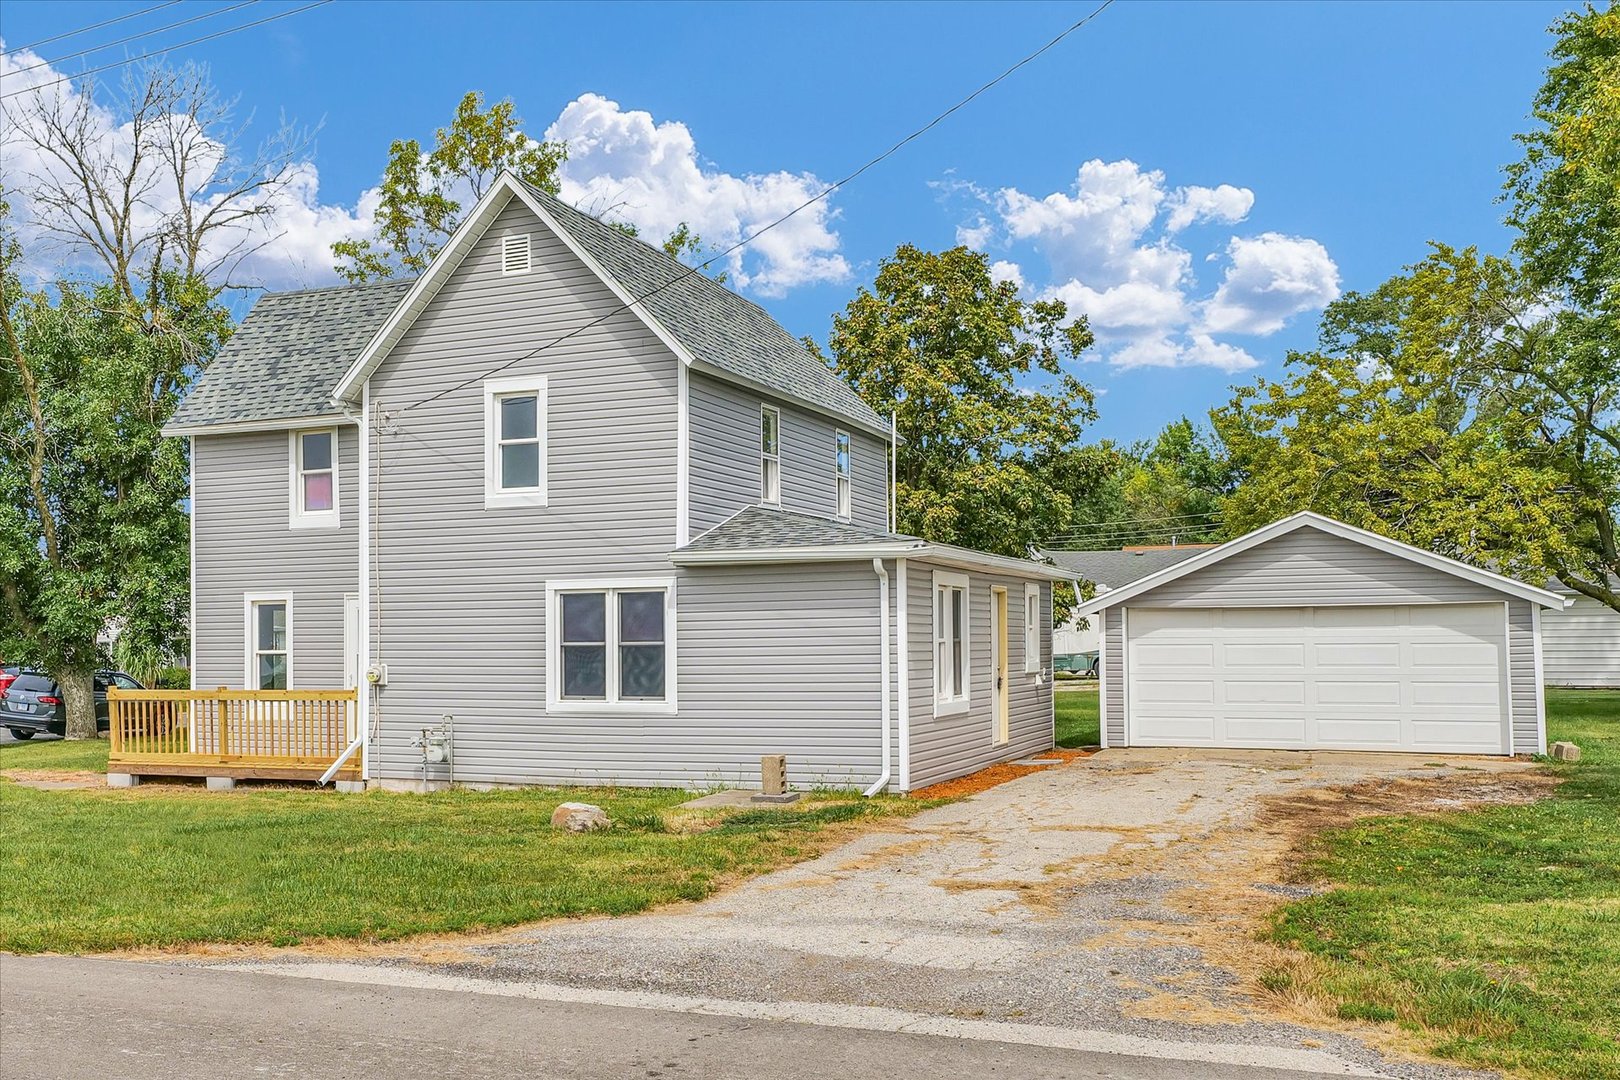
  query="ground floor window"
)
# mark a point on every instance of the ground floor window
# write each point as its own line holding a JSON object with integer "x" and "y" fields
{"x": 612, "y": 645}
{"x": 951, "y": 643}
{"x": 269, "y": 641}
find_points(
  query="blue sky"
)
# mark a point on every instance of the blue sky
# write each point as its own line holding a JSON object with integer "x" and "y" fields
{"x": 1248, "y": 160}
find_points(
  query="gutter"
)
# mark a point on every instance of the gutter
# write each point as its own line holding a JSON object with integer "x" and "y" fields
{"x": 883, "y": 621}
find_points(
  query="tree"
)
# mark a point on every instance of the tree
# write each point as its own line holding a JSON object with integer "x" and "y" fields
{"x": 1441, "y": 410}
{"x": 951, "y": 352}
{"x": 422, "y": 193}
{"x": 1167, "y": 490}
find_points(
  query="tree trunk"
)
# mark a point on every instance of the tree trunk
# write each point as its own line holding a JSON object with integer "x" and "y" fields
{"x": 79, "y": 695}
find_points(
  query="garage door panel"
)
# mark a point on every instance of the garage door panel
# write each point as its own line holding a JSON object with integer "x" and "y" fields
{"x": 1423, "y": 678}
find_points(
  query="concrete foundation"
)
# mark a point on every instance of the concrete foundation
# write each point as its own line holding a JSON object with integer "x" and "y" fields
{"x": 122, "y": 779}
{"x": 350, "y": 787}
{"x": 221, "y": 783}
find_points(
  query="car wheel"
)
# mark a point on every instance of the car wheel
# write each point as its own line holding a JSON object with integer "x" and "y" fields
{"x": 21, "y": 734}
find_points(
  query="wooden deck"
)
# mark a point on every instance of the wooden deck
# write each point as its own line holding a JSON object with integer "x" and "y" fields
{"x": 241, "y": 734}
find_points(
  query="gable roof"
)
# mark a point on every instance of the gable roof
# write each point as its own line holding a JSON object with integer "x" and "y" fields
{"x": 1116, "y": 569}
{"x": 766, "y": 534}
{"x": 705, "y": 324}
{"x": 283, "y": 361}
{"x": 1307, "y": 519}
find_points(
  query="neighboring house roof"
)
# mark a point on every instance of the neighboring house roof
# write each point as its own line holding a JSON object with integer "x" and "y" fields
{"x": 288, "y": 354}
{"x": 1307, "y": 519}
{"x": 704, "y": 323}
{"x": 1116, "y": 569}
{"x": 766, "y": 534}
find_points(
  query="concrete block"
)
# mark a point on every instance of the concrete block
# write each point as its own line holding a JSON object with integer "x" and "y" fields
{"x": 222, "y": 783}
{"x": 773, "y": 774}
{"x": 1565, "y": 751}
{"x": 350, "y": 787}
{"x": 123, "y": 779}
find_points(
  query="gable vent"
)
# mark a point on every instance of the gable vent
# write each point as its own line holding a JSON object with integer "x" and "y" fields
{"x": 515, "y": 254}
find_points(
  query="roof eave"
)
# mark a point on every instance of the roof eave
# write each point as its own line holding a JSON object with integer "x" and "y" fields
{"x": 272, "y": 423}
{"x": 945, "y": 554}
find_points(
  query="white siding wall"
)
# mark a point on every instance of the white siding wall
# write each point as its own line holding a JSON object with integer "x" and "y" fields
{"x": 1581, "y": 645}
{"x": 241, "y": 490}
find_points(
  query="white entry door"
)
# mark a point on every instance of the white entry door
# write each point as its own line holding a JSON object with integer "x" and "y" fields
{"x": 1423, "y": 678}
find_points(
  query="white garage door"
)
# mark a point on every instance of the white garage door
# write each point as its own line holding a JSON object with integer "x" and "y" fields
{"x": 1424, "y": 678}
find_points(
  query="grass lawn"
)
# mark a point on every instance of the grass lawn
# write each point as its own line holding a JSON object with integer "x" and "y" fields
{"x": 1077, "y": 718}
{"x": 85, "y": 755}
{"x": 1492, "y": 936}
{"x": 98, "y": 869}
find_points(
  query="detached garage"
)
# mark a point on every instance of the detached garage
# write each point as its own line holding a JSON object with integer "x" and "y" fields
{"x": 1310, "y": 634}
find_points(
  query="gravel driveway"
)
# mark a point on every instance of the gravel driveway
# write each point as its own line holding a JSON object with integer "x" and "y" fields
{"x": 1116, "y": 894}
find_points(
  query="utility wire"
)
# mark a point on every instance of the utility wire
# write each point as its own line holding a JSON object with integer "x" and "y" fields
{"x": 136, "y": 37}
{"x": 167, "y": 48}
{"x": 92, "y": 26}
{"x": 751, "y": 237}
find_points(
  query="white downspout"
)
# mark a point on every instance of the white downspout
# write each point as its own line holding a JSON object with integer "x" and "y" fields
{"x": 902, "y": 612}
{"x": 883, "y": 664}
{"x": 363, "y": 702}
{"x": 894, "y": 470}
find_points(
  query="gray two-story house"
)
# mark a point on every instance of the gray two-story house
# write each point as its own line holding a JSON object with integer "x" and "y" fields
{"x": 606, "y": 514}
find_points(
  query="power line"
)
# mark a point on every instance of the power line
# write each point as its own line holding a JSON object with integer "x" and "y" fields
{"x": 92, "y": 26}
{"x": 1144, "y": 521}
{"x": 822, "y": 194}
{"x": 136, "y": 37}
{"x": 168, "y": 48}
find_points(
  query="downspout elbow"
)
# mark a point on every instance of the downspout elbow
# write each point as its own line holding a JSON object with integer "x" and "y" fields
{"x": 883, "y": 665}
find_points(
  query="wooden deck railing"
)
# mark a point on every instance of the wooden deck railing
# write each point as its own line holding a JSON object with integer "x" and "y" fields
{"x": 271, "y": 733}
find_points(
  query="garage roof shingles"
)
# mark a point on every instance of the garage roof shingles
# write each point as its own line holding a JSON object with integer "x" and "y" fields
{"x": 289, "y": 353}
{"x": 1116, "y": 569}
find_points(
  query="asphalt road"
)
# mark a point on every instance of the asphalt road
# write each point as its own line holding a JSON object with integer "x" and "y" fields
{"x": 65, "y": 1017}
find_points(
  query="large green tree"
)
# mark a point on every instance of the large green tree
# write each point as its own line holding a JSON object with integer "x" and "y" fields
{"x": 986, "y": 413}
{"x": 1169, "y": 489}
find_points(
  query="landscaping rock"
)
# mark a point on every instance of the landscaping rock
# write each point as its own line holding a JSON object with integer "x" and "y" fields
{"x": 1566, "y": 751}
{"x": 579, "y": 817}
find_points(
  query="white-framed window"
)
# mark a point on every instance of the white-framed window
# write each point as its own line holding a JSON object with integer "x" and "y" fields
{"x": 770, "y": 454}
{"x": 952, "y": 643}
{"x": 610, "y": 645}
{"x": 314, "y": 479}
{"x": 515, "y": 254}
{"x": 1032, "y": 628}
{"x": 515, "y": 441}
{"x": 268, "y": 634}
{"x": 841, "y": 472}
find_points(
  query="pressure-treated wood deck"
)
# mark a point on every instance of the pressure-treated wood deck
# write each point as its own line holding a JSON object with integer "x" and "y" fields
{"x": 242, "y": 734}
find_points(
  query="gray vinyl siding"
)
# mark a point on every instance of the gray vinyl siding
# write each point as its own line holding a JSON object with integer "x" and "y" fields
{"x": 240, "y": 499}
{"x": 949, "y": 746}
{"x": 1523, "y": 690}
{"x": 1580, "y": 646}
{"x": 724, "y": 425}
{"x": 1112, "y": 690}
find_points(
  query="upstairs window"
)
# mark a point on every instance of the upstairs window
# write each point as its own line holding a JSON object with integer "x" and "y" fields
{"x": 952, "y": 639}
{"x": 770, "y": 454}
{"x": 841, "y": 473}
{"x": 613, "y": 646}
{"x": 515, "y": 442}
{"x": 314, "y": 479}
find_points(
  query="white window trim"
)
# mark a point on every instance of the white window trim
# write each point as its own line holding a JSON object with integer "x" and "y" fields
{"x": 1032, "y": 629}
{"x": 962, "y": 702}
{"x": 297, "y": 516}
{"x": 843, "y": 479}
{"x": 509, "y": 243}
{"x": 556, "y": 704}
{"x": 495, "y": 496}
{"x": 250, "y": 673}
{"x": 764, "y": 494}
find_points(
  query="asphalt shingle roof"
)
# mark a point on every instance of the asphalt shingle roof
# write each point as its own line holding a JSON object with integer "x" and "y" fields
{"x": 767, "y": 527}
{"x": 715, "y": 325}
{"x": 1117, "y": 569}
{"x": 288, "y": 355}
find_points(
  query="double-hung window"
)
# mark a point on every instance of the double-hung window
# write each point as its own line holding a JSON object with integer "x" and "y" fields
{"x": 841, "y": 472}
{"x": 314, "y": 479}
{"x": 1032, "y": 627}
{"x": 269, "y": 641}
{"x": 952, "y": 640}
{"x": 770, "y": 454}
{"x": 612, "y": 645}
{"x": 515, "y": 442}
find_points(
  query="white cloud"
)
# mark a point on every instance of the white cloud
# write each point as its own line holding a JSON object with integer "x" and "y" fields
{"x": 1002, "y": 270}
{"x": 626, "y": 165}
{"x": 1270, "y": 278}
{"x": 1113, "y": 252}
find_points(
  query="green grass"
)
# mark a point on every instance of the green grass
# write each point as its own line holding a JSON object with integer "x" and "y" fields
{"x": 88, "y": 755}
{"x": 1492, "y": 935}
{"x": 94, "y": 870}
{"x": 1077, "y": 718}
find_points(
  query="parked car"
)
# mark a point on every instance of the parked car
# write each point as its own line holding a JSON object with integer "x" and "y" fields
{"x": 8, "y": 672}
{"x": 1081, "y": 665}
{"x": 33, "y": 703}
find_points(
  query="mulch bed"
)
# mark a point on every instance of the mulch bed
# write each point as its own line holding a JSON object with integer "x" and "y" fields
{"x": 987, "y": 778}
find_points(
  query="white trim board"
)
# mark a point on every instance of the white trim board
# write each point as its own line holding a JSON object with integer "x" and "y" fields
{"x": 1307, "y": 519}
